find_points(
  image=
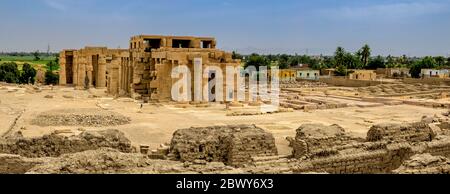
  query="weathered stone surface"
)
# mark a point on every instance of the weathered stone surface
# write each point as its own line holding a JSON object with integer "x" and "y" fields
{"x": 328, "y": 149}
{"x": 104, "y": 160}
{"x": 425, "y": 164}
{"x": 80, "y": 117}
{"x": 54, "y": 145}
{"x": 149, "y": 59}
{"x": 319, "y": 140}
{"x": 234, "y": 145}
{"x": 15, "y": 164}
{"x": 412, "y": 132}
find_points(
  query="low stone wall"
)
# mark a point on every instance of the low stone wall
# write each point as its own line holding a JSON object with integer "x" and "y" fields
{"x": 429, "y": 81}
{"x": 378, "y": 161}
{"x": 425, "y": 164}
{"x": 319, "y": 140}
{"x": 412, "y": 132}
{"x": 54, "y": 145}
{"x": 233, "y": 145}
{"x": 15, "y": 164}
{"x": 80, "y": 117}
{"x": 439, "y": 147}
{"x": 326, "y": 149}
{"x": 343, "y": 81}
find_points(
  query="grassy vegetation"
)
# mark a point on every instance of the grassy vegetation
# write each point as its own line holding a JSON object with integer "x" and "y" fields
{"x": 30, "y": 59}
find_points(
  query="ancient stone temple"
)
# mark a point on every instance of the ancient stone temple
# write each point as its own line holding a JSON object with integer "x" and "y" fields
{"x": 144, "y": 70}
{"x": 88, "y": 67}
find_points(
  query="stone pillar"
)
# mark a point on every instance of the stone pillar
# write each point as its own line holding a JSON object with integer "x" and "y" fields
{"x": 213, "y": 44}
{"x": 81, "y": 75}
{"x": 169, "y": 43}
{"x": 81, "y": 71}
{"x": 195, "y": 43}
{"x": 130, "y": 78}
{"x": 75, "y": 69}
{"x": 101, "y": 82}
{"x": 62, "y": 69}
{"x": 90, "y": 77}
{"x": 164, "y": 43}
{"x": 120, "y": 76}
{"x": 124, "y": 77}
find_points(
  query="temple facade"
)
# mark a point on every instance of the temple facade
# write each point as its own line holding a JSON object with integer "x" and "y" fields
{"x": 144, "y": 70}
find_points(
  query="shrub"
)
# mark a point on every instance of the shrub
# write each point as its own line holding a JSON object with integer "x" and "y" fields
{"x": 28, "y": 74}
{"x": 51, "y": 78}
{"x": 9, "y": 73}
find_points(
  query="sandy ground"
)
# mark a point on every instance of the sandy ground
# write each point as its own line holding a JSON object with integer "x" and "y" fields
{"x": 155, "y": 124}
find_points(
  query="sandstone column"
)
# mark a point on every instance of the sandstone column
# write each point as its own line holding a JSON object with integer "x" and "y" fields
{"x": 81, "y": 75}
{"x": 75, "y": 68}
{"x": 101, "y": 82}
{"x": 120, "y": 77}
{"x": 62, "y": 69}
{"x": 89, "y": 74}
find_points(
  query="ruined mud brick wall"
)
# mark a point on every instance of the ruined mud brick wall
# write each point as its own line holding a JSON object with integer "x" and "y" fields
{"x": 428, "y": 80}
{"x": 377, "y": 161}
{"x": 412, "y": 132}
{"x": 386, "y": 148}
{"x": 301, "y": 84}
{"x": 343, "y": 81}
{"x": 233, "y": 145}
{"x": 425, "y": 164}
{"x": 439, "y": 147}
{"x": 249, "y": 143}
{"x": 209, "y": 143}
{"x": 14, "y": 164}
{"x": 318, "y": 139}
{"x": 54, "y": 145}
{"x": 298, "y": 102}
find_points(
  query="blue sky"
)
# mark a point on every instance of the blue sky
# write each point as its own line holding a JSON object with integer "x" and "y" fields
{"x": 411, "y": 27}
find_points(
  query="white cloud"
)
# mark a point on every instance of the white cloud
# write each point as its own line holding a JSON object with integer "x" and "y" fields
{"x": 56, "y": 4}
{"x": 386, "y": 11}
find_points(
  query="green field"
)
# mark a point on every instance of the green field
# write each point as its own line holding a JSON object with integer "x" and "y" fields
{"x": 27, "y": 59}
{"x": 20, "y": 60}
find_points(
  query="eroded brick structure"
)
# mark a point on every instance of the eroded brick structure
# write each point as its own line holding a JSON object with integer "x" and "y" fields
{"x": 144, "y": 70}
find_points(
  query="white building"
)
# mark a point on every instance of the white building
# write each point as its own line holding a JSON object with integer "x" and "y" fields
{"x": 434, "y": 73}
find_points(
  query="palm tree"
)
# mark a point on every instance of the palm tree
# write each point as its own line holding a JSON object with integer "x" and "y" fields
{"x": 339, "y": 57}
{"x": 440, "y": 60}
{"x": 365, "y": 54}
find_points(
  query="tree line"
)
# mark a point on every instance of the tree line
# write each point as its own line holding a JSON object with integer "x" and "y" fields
{"x": 343, "y": 60}
{"x": 10, "y": 73}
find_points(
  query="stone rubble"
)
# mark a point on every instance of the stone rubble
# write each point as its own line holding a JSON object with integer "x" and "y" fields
{"x": 80, "y": 117}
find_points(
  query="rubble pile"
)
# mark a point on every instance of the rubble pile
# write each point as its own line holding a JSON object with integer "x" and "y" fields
{"x": 80, "y": 117}
{"x": 111, "y": 161}
{"x": 301, "y": 84}
{"x": 15, "y": 164}
{"x": 104, "y": 160}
